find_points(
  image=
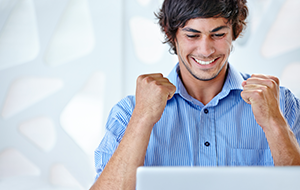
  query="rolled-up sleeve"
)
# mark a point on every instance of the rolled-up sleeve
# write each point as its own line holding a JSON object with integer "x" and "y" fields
{"x": 115, "y": 128}
{"x": 292, "y": 112}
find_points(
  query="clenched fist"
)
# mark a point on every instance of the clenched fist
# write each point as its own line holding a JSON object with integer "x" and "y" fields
{"x": 152, "y": 93}
{"x": 262, "y": 92}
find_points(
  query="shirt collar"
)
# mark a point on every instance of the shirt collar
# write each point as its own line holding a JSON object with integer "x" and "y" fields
{"x": 174, "y": 78}
{"x": 233, "y": 81}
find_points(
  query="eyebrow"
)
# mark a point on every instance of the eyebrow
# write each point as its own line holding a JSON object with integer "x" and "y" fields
{"x": 219, "y": 28}
{"x": 188, "y": 29}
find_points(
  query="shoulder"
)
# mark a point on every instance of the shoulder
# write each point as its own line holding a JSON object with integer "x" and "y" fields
{"x": 121, "y": 112}
{"x": 290, "y": 100}
{"x": 289, "y": 96}
{"x": 126, "y": 104}
{"x": 290, "y": 105}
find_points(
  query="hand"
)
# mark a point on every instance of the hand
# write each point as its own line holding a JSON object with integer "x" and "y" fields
{"x": 262, "y": 92}
{"x": 152, "y": 93}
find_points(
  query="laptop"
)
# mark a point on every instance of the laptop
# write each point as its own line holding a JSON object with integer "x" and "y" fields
{"x": 218, "y": 178}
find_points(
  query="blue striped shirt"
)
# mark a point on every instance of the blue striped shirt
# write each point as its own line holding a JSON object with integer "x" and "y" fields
{"x": 222, "y": 133}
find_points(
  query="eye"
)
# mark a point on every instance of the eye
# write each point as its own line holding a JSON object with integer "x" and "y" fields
{"x": 192, "y": 36}
{"x": 218, "y": 35}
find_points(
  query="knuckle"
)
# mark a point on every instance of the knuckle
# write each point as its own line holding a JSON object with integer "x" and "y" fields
{"x": 276, "y": 79}
{"x": 148, "y": 79}
{"x": 259, "y": 93}
{"x": 160, "y": 74}
{"x": 272, "y": 83}
{"x": 262, "y": 89}
{"x": 144, "y": 79}
{"x": 157, "y": 83}
{"x": 167, "y": 80}
{"x": 141, "y": 77}
{"x": 174, "y": 87}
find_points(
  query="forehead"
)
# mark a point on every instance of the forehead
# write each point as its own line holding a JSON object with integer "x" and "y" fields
{"x": 207, "y": 24}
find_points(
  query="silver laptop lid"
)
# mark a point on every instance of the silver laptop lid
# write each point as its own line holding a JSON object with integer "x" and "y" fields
{"x": 218, "y": 178}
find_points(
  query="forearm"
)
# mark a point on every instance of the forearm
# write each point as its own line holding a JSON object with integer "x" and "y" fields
{"x": 283, "y": 144}
{"x": 120, "y": 171}
{"x": 152, "y": 93}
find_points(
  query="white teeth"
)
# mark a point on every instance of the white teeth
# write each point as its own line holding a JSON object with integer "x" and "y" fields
{"x": 204, "y": 62}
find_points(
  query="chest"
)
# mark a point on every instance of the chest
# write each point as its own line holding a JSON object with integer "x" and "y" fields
{"x": 221, "y": 135}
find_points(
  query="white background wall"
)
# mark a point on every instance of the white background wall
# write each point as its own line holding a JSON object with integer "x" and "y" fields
{"x": 65, "y": 63}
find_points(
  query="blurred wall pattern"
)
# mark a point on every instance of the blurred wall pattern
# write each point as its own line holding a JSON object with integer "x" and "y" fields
{"x": 65, "y": 63}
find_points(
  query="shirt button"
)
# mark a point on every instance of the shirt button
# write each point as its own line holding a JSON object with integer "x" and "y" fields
{"x": 206, "y": 143}
{"x": 206, "y": 111}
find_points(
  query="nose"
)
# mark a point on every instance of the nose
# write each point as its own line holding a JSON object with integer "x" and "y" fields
{"x": 205, "y": 47}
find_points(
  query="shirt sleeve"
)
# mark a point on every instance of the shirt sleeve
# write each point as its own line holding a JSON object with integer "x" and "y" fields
{"x": 115, "y": 128}
{"x": 292, "y": 112}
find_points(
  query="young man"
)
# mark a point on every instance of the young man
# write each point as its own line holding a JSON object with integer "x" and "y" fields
{"x": 205, "y": 113}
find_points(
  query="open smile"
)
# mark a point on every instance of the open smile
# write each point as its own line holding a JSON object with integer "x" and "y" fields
{"x": 205, "y": 62}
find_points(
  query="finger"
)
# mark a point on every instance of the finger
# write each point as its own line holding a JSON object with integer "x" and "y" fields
{"x": 254, "y": 91}
{"x": 172, "y": 90}
{"x": 245, "y": 97}
{"x": 252, "y": 96}
{"x": 149, "y": 77}
{"x": 162, "y": 80}
{"x": 167, "y": 88}
{"x": 254, "y": 79}
{"x": 255, "y": 86}
{"x": 261, "y": 76}
{"x": 154, "y": 75}
{"x": 276, "y": 79}
{"x": 261, "y": 81}
{"x": 158, "y": 82}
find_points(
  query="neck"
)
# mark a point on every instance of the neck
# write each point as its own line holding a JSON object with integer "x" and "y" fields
{"x": 204, "y": 91}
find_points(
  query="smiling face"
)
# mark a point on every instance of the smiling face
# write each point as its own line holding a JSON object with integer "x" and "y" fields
{"x": 203, "y": 46}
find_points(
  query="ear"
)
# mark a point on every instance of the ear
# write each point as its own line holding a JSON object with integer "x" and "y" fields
{"x": 236, "y": 32}
{"x": 175, "y": 40}
{"x": 169, "y": 37}
{"x": 165, "y": 30}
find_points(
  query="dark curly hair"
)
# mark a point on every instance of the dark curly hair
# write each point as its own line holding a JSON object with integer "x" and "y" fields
{"x": 175, "y": 14}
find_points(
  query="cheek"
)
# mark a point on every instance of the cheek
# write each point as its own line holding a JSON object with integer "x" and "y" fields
{"x": 226, "y": 46}
{"x": 186, "y": 47}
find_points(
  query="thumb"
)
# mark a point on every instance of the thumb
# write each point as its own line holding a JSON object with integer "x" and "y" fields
{"x": 245, "y": 97}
